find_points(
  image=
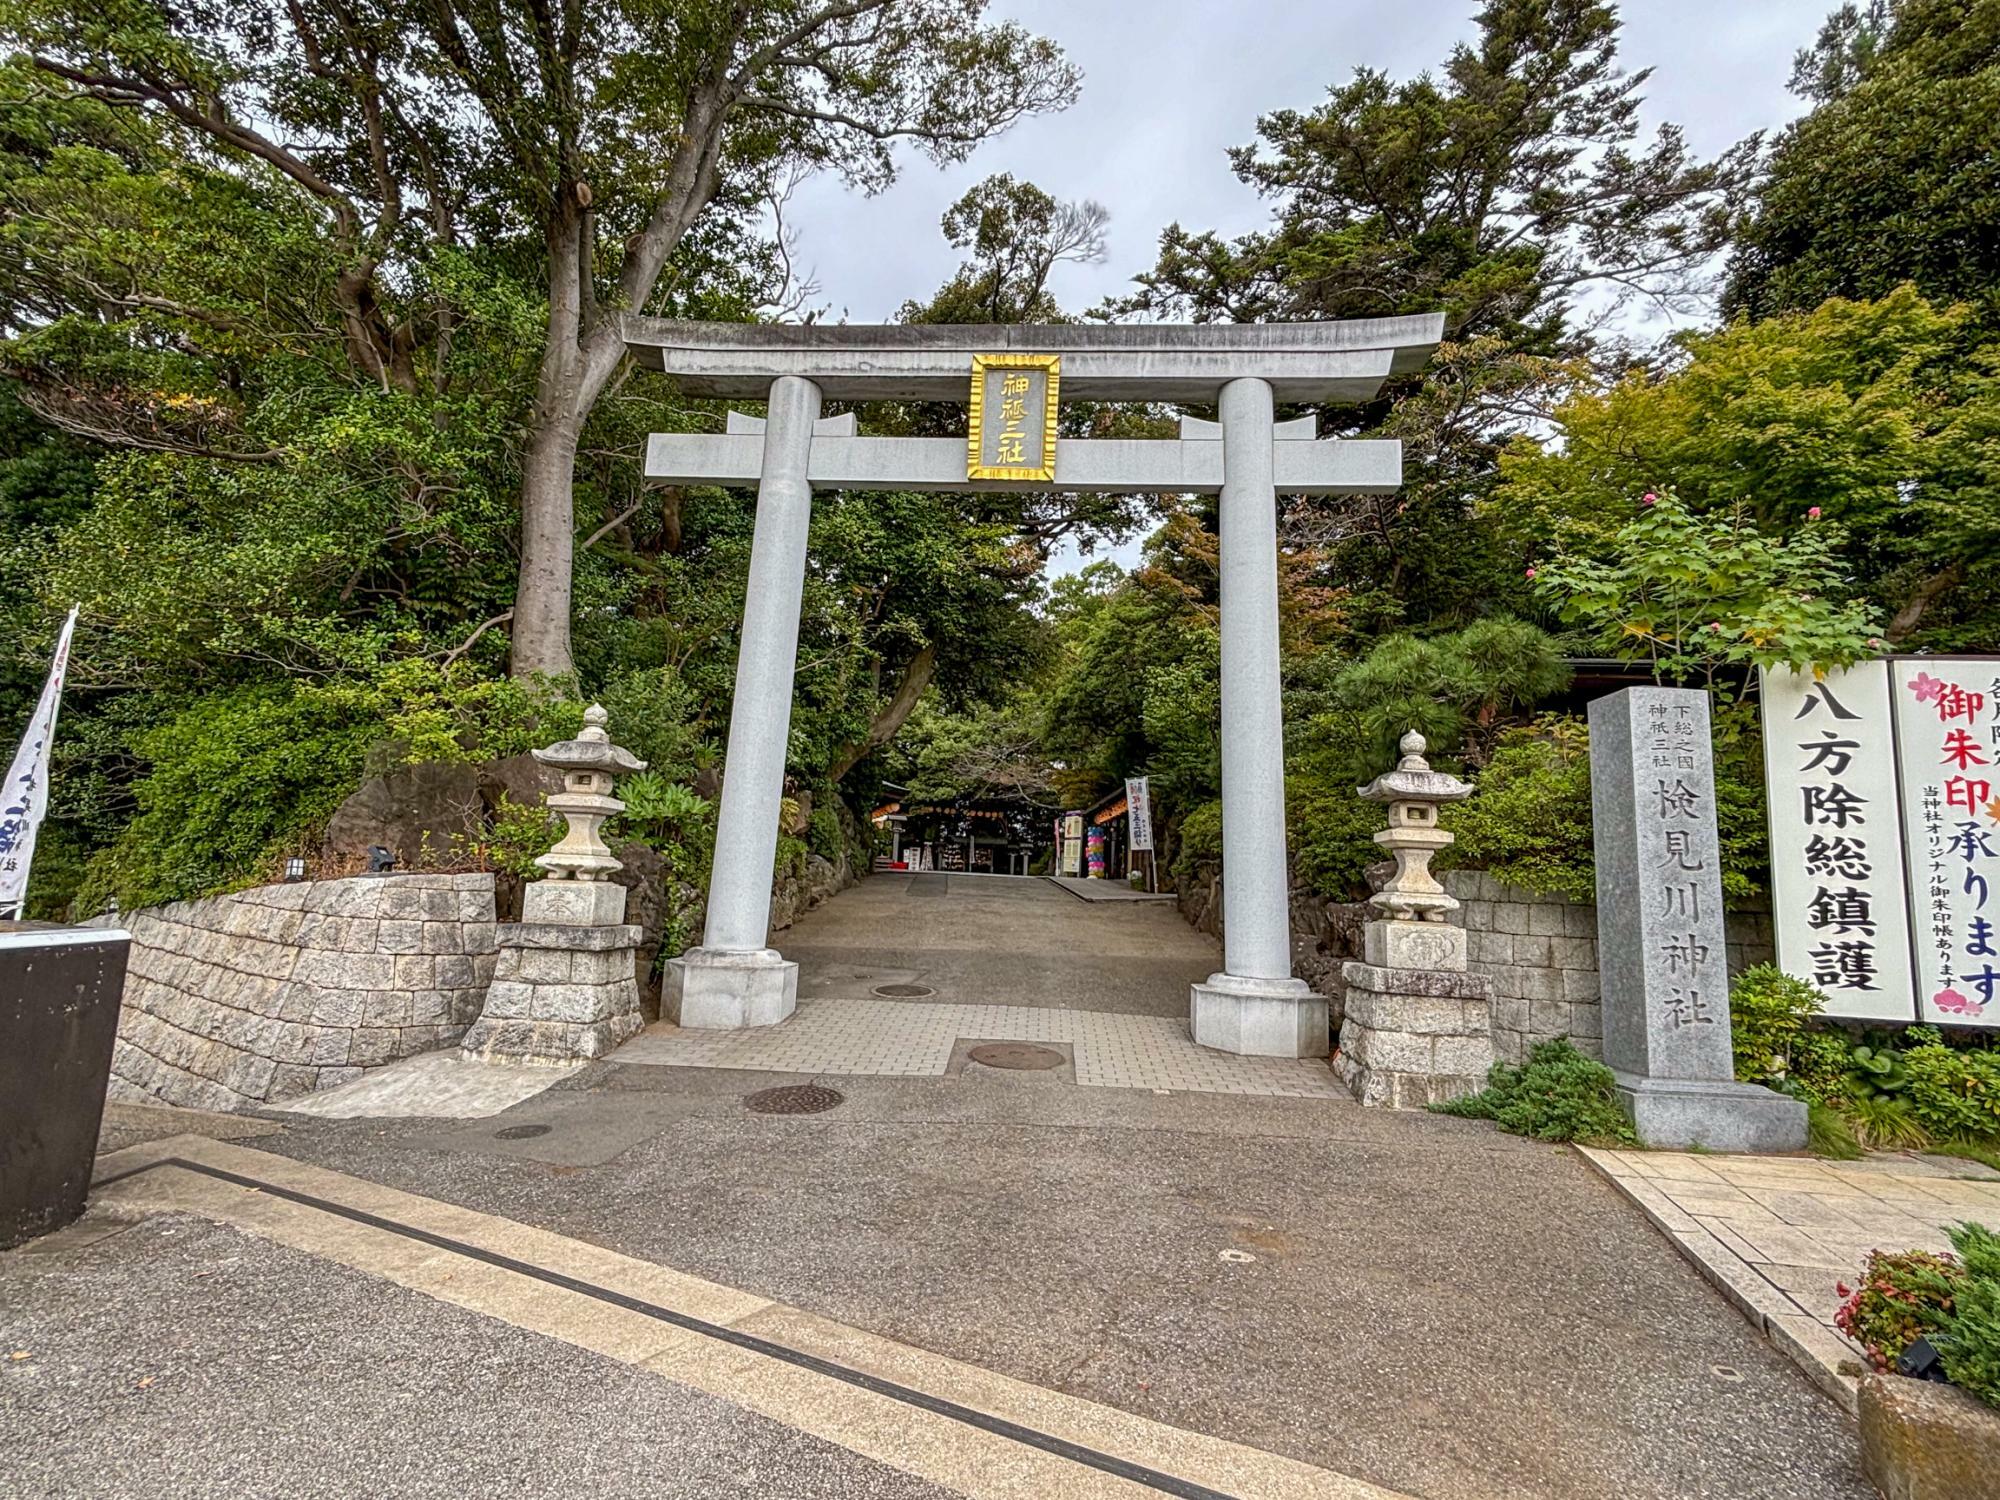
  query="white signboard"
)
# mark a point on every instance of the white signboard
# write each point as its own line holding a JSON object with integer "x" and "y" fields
{"x": 24, "y": 799}
{"x": 1947, "y": 716}
{"x": 1139, "y": 806}
{"x": 1072, "y": 844}
{"x": 1838, "y": 889}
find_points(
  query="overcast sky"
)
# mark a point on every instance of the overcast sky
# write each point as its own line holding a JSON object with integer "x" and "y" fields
{"x": 1169, "y": 85}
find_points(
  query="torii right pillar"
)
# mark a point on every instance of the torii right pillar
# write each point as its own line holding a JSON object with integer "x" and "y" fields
{"x": 1254, "y": 1006}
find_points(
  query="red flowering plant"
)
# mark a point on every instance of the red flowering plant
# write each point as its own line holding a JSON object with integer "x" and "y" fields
{"x": 1903, "y": 1296}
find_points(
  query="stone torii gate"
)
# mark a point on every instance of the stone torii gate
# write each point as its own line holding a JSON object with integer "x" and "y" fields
{"x": 1012, "y": 379}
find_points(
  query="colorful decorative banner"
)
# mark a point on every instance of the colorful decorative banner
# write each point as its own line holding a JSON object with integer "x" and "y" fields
{"x": 1139, "y": 805}
{"x": 1839, "y": 896}
{"x": 24, "y": 800}
{"x": 1948, "y": 745}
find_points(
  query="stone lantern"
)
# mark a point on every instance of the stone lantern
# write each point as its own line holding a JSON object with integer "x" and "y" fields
{"x": 565, "y": 985}
{"x": 1416, "y": 1028}
{"x": 589, "y": 763}
{"x": 1414, "y": 793}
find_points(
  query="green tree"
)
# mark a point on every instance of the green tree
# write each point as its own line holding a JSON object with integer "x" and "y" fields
{"x": 592, "y": 140}
{"x": 1893, "y": 176}
{"x": 1882, "y": 418}
{"x": 1497, "y": 189}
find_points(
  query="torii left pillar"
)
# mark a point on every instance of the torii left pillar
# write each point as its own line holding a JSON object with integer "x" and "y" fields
{"x": 733, "y": 980}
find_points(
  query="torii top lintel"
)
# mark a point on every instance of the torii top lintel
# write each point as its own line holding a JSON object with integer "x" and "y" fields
{"x": 1340, "y": 361}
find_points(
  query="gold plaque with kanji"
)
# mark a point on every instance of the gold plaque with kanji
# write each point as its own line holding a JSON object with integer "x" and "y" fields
{"x": 1011, "y": 433}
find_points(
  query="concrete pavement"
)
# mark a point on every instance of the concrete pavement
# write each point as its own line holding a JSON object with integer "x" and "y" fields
{"x": 1414, "y": 1301}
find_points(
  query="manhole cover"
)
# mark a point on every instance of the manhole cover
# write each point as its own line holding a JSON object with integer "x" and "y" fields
{"x": 1019, "y": 1056}
{"x": 521, "y": 1132}
{"x": 904, "y": 991}
{"x": 793, "y": 1099}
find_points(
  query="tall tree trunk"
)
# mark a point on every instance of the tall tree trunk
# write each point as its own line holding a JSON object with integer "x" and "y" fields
{"x": 548, "y": 542}
{"x": 1922, "y": 597}
{"x": 916, "y": 677}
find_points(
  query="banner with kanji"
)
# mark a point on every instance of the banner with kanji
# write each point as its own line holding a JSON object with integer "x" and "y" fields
{"x": 1839, "y": 893}
{"x": 1948, "y": 744}
{"x": 1884, "y": 789}
{"x": 24, "y": 800}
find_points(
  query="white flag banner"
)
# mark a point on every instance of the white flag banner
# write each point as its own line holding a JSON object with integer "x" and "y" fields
{"x": 1139, "y": 805}
{"x": 24, "y": 800}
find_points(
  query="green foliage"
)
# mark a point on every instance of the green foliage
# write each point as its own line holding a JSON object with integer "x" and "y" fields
{"x": 1769, "y": 1015}
{"x": 672, "y": 819}
{"x": 1528, "y": 822}
{"x": 1953, "y": 1091}
{"x": 1447, "y": 687}
{"x": 517, "y": 836}
{"x": 1829, "y": 1135}
{"x": 1903, "y": 1296}
{"x": 236, "y": 779}
{"x": 1200, "y": 839}
{"x": 1558, "y": 1095}
{"x": 1970, "y": 1343}
{"x": 1888, "y": 178}
{"x": 1879, "y": 418}
{"x": 1693, "y": 594}
{"x": 660, "y": 717}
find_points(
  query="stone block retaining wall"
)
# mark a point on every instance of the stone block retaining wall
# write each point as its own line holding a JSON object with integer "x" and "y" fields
{"x": 1541, "y": 954}
{"x": 268, "y": 993}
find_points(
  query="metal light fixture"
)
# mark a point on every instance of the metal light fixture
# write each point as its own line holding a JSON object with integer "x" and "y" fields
{"x": 380, "y": 860}
{"x": 295, "y": 869}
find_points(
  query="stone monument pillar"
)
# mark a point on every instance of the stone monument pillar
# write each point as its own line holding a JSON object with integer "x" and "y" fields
{"x": 564, "y": 987}
{"x": 1418, "y": 1028}
{"x": 1659, "y": 930}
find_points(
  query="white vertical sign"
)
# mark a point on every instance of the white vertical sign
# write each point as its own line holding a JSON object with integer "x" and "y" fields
{"x": 1948, "y": 743}
{"x": 1139, "y": 807}
{"x": 1072, "y": 844}
{"x": 1838, "y": 891}
{"x": 24, "y": 800}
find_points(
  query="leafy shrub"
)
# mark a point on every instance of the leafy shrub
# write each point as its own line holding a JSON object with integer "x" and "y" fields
{"x": 1558, "y": 1095}
{"x": 671, "y": 819}
{"x": 1903, "y": 1296}
{"x": 1953, "y": 1091}
{"x": 1201, "y": 839}
{"x": 1529, "y": 821}
{"x": 1769, "y": 1011}
{"x": 1970, "y": 1345}
{"x": 235, "y": 777}
{"x": 518, "y": 835}
{"x": 1332, "y": 834}
{"x": 657, "y": 715}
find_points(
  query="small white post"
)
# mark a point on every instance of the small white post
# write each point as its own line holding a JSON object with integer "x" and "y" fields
{"x": 1254, "y": 1006}
{"x": 733, "y": 980}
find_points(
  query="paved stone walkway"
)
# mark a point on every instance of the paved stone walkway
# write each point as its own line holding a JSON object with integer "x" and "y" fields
{"x": 898, "y": 973}
{"x": 1776, "y": 1235}
{"x": 913, "y": 1039}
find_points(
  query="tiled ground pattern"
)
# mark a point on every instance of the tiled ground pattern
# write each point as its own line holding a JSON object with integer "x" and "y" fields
{"x": 915, "y": 1039}
{"x": 1775, "y": 1234}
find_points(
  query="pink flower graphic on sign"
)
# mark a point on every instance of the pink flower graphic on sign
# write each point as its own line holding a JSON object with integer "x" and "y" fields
{"x": 1953, "y": 1003}
{"x": 1926, "y": 687}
